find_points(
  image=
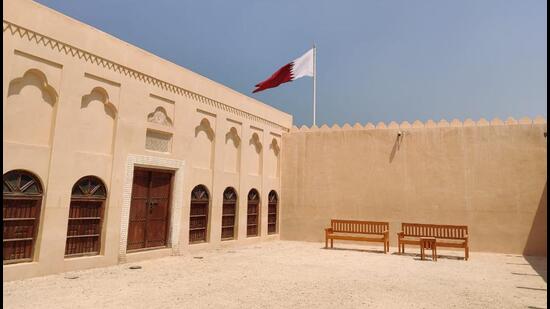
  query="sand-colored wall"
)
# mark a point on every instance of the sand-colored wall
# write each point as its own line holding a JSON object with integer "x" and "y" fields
{"x": 78, "y": 102}
{"x": 490, "y": 176}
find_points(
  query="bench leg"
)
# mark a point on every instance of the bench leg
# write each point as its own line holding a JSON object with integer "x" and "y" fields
{"x": 466, "y": 253}
{"x": 332, "y": 243}
{"x": 326, "y": 242}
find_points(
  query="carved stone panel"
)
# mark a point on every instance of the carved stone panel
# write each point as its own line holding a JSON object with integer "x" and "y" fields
{"x": 160, "y": 117}
{"x": 158, "y": 141}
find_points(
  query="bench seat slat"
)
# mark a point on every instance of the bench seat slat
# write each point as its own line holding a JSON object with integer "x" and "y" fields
{"x": 344, "y": 237}
{"x": 439, "y": 244}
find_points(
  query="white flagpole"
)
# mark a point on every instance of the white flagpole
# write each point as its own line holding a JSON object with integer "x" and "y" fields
{"x": 314, "y": 82}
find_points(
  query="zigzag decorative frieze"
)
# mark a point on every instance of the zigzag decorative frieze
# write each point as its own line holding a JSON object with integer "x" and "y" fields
{"x": 68, "y": 49}
{"x": 417, "y": 124}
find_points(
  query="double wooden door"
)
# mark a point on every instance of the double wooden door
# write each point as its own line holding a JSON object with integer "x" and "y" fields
{"x": 149, "y": 209}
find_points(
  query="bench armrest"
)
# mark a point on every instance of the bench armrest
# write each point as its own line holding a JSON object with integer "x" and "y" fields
{"x": 400, "y": 234}
{"x": 328, "y": 230}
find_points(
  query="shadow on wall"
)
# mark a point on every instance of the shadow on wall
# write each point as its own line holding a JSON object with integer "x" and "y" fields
{"x": 536, "y": 241}
{"x": 396, "y": 146}
{"x": 536, "y": 247}
{"x": 99, "y": 94}
{"x": 205, "y": 127}
{"x": 539, "y": 264}
{"x": 255, "y": 141}
{"x": 35, "y": 78}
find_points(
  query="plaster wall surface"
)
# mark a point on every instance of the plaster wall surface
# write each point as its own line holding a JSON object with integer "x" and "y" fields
{"x": 491, "y": 176}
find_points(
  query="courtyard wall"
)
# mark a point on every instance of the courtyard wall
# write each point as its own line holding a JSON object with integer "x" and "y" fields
{"x": 491, "y": 176}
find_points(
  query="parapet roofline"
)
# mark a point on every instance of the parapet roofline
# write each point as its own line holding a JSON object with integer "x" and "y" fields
{"x": 417, "y": 124}
{"x": 99, "y": 34}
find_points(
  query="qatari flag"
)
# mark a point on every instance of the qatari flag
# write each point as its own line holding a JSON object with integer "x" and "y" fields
{"x": 300, "y": 67}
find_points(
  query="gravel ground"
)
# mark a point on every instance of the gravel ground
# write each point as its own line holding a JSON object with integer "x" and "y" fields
{"x": 289, "y": 274}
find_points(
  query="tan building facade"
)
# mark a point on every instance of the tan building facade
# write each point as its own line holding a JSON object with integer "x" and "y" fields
{"x": 113, "y": 155}
{"x": 116, "y": 155}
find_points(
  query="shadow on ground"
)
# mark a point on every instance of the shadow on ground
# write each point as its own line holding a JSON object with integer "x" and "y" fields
{"x": 357, "y": 250}
{"x": 417, "y": 256}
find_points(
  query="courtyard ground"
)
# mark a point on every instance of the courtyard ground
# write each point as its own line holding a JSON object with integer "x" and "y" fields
{"x": 289, "y": 274}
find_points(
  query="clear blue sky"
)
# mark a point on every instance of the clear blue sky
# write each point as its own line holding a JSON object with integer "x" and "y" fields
{"x": 377, "y": 60}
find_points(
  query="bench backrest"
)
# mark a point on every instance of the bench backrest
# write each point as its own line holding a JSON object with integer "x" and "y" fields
{"x": 434, "y": 230}
{"x": 361, "y": 227}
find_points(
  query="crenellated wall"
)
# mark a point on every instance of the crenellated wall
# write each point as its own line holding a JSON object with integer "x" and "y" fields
{"x": 417, "y": 124}
{"x": 490, "y": 175}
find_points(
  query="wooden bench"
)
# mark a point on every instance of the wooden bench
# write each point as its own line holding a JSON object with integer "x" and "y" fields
{"x": 455, "y": 236}
{"x": 346, "y": 227}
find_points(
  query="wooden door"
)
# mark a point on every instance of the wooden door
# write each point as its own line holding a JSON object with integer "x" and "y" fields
{"x": 159, "y": 206}
{"x": 149, "y": 209}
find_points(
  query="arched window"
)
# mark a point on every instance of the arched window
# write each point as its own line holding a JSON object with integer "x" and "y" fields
{"x": 229, "y": 213}
{"x": 253, "y": 214}
{"x": 85, "y": 217}
{"x": 198, "y": 219}
{"x": 22, "y": 200}
{"x": 272, "y": 207}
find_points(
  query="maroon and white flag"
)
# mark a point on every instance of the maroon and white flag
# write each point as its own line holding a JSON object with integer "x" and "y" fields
{"x": 300, "y": 67}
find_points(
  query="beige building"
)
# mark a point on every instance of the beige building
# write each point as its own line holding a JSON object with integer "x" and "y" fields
{"x": 113, "y": 155}
{"x": 172, "y": 161}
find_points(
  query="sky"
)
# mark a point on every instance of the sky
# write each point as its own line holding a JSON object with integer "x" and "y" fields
{"x": 376, "y": 60}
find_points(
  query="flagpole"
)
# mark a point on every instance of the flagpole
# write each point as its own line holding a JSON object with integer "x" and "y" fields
{"x": 314, "y": 82}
